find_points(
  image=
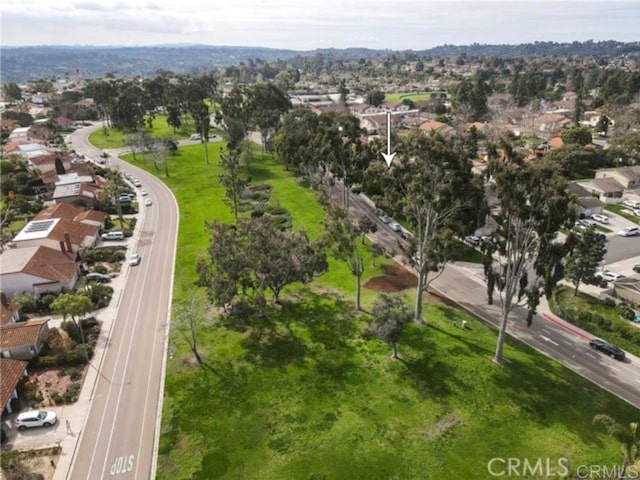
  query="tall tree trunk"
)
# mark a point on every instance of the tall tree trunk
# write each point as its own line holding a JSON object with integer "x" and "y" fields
{"x": 502, "y": 334}
{"x": 394, "y": 348}
{"x": 575, "y": 291}
{"x": 417, "y": 314}
{"x": 358, "y": 278}
{"x": 206, "y": 152}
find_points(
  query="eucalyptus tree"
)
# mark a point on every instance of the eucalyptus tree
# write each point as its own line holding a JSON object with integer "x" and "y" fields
{"x": 533, "y": 206}
{"x": 342, "y": 235}
{"x": 231, "y": 179}
{"x": 434, "y": 188}
{"x": 294, "y": 138}
{"x": 268, "y": 103}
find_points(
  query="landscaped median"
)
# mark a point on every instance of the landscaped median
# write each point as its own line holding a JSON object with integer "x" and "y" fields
{"x": 305, "y": 392}
{"x": 596, "y": 317}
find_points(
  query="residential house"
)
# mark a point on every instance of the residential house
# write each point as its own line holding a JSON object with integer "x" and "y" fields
{"x": 77, "y": 194}
{"x": 606, "y": 189}
{"x": 37, "y": 269}
{"x": 23, "y": 340}
{"x": 11, "y": 372}
{"x": 435, "y": 126}
{"x": 73, "y": 213}
{"x": 628, "y": 289}
{"x": 59, "y": 233}
{"x": 45, "y": 160}
{"x": 550, "y": 124}
{"x": 20, "y": 134}
{"x": 628, "y": 177}
{"x": 555, "y": 142}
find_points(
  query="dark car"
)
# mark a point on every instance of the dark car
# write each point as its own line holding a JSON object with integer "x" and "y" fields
{"x": 607, "y": 348}
{"x": 636, "y": 268}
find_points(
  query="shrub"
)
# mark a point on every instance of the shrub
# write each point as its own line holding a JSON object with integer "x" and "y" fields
{"x": 625, "y": 311}
{"x": 72, "y": 393}
{"x": 609, "y": 302}
{"x": 100, "y": 269}
{"x": 74, "y": 373}
{"x": 72, "y": 330}
{"x": 56, "y": 398}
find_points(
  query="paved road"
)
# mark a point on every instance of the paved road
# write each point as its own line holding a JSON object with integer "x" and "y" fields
{"x": 119, "y": 437}
{"x": 464, "y": 285}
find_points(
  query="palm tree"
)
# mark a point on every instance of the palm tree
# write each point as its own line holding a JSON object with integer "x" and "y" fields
{"x": 627, "y": 435}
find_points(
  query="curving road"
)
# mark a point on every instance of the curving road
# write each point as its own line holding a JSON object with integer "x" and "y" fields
{"x": 120, "y": 436}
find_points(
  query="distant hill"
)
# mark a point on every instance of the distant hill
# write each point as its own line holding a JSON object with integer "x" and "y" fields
{"x": 19, "y": 64}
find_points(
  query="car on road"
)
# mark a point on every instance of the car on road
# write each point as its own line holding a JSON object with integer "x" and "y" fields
{"x": 148, "y": 202}
{"x": 195, "y": 136}
{"x": 636, "y": 212}
{"x": 134, "y": 259}
{"x": 472, "y": 240}
{"x": 631, "y": 204}
{"x": 609, "y": 276}
{"x": 211, "y": 136}
{"x": 143, "y": 192}
{"x": 35, "y": 418}
{"x": 598, "y": 217}
{"x": 607, "y": 348}
{"x": 384, "y": 218}
{"x": 406, "y": 235}
{"x": 395, "y": 226}
{"x": 98, "y": 277}
{"x": 636, "y": 268}
{"x": 629, "y": 232}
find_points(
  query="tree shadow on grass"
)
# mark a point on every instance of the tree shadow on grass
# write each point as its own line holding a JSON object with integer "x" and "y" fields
{"x": 426, "y": 371}
{"x": 550, "y": 395}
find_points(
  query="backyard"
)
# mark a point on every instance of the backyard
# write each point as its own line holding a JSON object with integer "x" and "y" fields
{"x": 318, "y": 398}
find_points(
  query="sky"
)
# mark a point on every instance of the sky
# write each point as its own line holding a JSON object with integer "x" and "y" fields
{"x": 311, "y": 24}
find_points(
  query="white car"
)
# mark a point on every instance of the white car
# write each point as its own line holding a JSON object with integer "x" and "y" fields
{"x": 135, "y": 259}
{"x": 609, "y": 276}
{"x": 148, "y": 202}
{"x": 629, "y": 232}
{"x": 384, "y": 218}
{"x": 631, "y": 204}
{"x": 143, "y": 192}
{"x": 636, "y": 212}
{"x": 195, "y": 136}
{"x": 598, "y": 217}
{"x": 396, "y": 227}
{"x": 36, "y": 418}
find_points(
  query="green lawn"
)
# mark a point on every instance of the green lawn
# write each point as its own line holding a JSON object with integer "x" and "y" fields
{"x": 413, "y": 96}
{"x": 317, "y": 399}
{"x": 117, "y": 139}
{"x": 623, "y": 211}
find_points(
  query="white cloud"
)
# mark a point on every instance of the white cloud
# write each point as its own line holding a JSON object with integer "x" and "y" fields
{"x": 313, "y": 23}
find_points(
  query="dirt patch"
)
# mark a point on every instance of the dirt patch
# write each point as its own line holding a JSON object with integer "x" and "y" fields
{"x": 47, "y": 385}
{"x": 44, "y": 464}
{"x": 443, "y": 426}
{"x": 396, "y": 278}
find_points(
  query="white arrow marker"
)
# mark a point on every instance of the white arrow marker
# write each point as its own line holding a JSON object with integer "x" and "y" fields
{"x": 388, "y": 157}
{"x": 547, "y": 339}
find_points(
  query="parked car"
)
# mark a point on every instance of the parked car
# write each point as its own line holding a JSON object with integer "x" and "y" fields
{"x": 134, "y": 259}
{"x": 211, "y": 136}
{"x": 405, "y": 234}
{"x": 148, "y": 202}
{"x": 125, "y": 199}
{"x": 607, "y": 348}
{"x": 631, "y": 204}
{"x": 583, "y": 224}
{"x": 598, "y": 217}
{"x": 395, "y": 226}
{"x": 137, "y": 183}
{"x": 609, "y": 276}
{"x": 636, "y": 212}
{"x": 472, "y": 240}
{"x": 195, "y": 136}
{"x": 629, "y": 232}
{"x": 384, "y": 218}
{"x": 98, "y": 277}
{"x": 113, "y": 235}
{"x": 36, "y": 418}
{"x": 143, "y": 192}
{"x": 636, "y": 268}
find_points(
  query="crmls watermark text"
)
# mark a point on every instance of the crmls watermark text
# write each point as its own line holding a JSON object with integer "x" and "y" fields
{"x": 525, "y": 467}
{"x": 549, "y": 468}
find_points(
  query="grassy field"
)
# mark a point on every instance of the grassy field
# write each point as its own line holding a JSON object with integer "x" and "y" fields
{"x": 318, "y": 399}
{"x": 117, "y": 139}
{"x": 413, "y": 96}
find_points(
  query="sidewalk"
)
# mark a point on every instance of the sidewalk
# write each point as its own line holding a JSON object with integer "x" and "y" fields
{"x": 77, "y": 413}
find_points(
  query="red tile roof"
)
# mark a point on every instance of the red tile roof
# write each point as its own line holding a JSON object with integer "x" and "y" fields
{"x": 11, "y": 371}
{"x": 22, "y": 334}
{"x": 7, "y": 310}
